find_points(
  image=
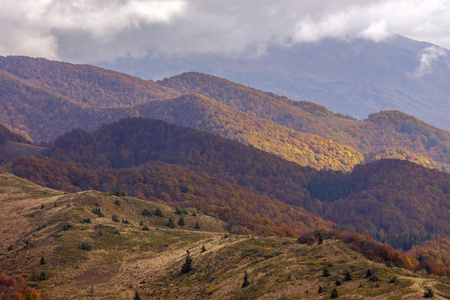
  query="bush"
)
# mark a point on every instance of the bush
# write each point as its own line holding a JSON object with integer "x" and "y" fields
{"x": 115, "y": 218}
{"x": 326, "y": 272}
{"x": 147, "y": 213}
{"x": 428, "y": 293}
{"x": 393, "y": 280}
{"x": 145, "y": 228}
{"x": 374, "y": 278}
{"x": 181, "y": 221}
{"x": 43, "y": 261}
{"x": 178, "y": 211}
{"x": 159, "y": 213}
{"x": 43, "y": 276}
{"x": 337, "y": 282}
{"x": 348, "y": 276}
{"x": 86, "y": 246}
{"x": 97, "y": 211}
{"x": 67, "y": 226}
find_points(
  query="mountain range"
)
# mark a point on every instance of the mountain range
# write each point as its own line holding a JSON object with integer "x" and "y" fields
{"x": 215, "y": 155}
{"x": 40, "y": 104}
{"x": 355, "y": 76}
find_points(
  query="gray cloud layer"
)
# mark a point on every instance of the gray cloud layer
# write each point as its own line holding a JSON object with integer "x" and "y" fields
{"x": 97, "y": 30}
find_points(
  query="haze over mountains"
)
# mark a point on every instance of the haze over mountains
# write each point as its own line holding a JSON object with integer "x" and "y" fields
{"x": 354, "y": 77}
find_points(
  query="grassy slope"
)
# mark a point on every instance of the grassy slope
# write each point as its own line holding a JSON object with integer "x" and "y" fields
{"x": 150, "y": 261}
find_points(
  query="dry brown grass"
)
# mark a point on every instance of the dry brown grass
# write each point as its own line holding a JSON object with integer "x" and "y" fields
{"x": 150, "y": 261}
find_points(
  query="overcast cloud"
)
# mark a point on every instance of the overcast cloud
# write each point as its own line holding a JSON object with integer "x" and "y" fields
{"x": 97, "y": 30}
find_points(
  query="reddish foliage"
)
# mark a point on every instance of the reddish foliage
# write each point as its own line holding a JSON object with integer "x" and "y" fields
{"x": 16, "y": 288}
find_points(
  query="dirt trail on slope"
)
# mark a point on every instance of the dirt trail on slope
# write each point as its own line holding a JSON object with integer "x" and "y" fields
{"x": 420, "y": 285}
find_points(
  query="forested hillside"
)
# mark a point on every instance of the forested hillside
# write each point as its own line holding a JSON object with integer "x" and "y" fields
{"x": 43, "y": 99}
{"x": 397, "y": 195}
{"x": 380, "y": 130}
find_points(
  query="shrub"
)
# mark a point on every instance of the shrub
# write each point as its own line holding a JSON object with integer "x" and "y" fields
{"x": 337, "y": 282}
{"x": 67, "y": 226}
{"x": 159, "y": 213}
{"x": 43, "y": 261}
{"x": 428, "y": 293}
{"x": 97, "y": 211}
{"x": 147, "y": 213}
{"x": 115, "y": 218}
{"x": 374, "y": 278}
{"x": 86, "y": 246}
{"x": 348, "y": 276}
{"x": 181, "y": 221}
{"x": 145, "y": 228}
{"x": 326, "y": 272}
{"x": 43, "y": 276}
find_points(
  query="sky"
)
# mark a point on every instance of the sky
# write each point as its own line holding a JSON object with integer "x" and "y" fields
{"x": 89, "y": 31}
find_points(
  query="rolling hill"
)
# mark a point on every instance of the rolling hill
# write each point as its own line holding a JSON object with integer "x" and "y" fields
{"x": 384, "y": 197}
{"x": 43, "y": 99}
{"x": 91, "y": 244}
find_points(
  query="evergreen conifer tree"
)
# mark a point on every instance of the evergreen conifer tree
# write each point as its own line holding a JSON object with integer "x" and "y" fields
{"x": 170, "y": 223}
{"x": 320, "y": 291}
{"x": 43, "y": 262}
{"x": 197, "y": 225}
{"x": 320, "y": 237}
{"x": 246, "y": 282}
{"x": 334, "y": 293}
{"x": 348, "y": 276}
{"x": 187, "y": 266}
{"x": 136, "y": 296}
{"x": 181, "y": 221}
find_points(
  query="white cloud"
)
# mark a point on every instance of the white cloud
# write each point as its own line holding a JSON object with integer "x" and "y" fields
{"x": 94, "y": 30}
{"x": 377, "y": 31}
{"x": 428, "y": 57}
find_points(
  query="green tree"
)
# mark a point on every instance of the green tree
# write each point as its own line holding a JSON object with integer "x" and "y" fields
{"x": 348, "y": 276}
{"x": 320, "y": 291}
{"x": 326, "y": 272}
{"x": 428, "y": 293}
{"x": 320, "y": 237}
{"x": 181, "y": 221}
{"x": 145, "y": 228}
{"x": 115, "y": 218}
{"x": 187, "y": 266}
{"x": 197, "y": 225}
{"x": 203, "y": 248}
{"x": 178, "y": 211}
{"x": 136, "y": 296}
{"x": 43, "y": 262}
{"x": 170, "y": 223}
{"x": 159, "y": 213}
{"x": 334, "y": 293}
{"x": 43, "y": 276}
{"x": 246, "y": 282}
